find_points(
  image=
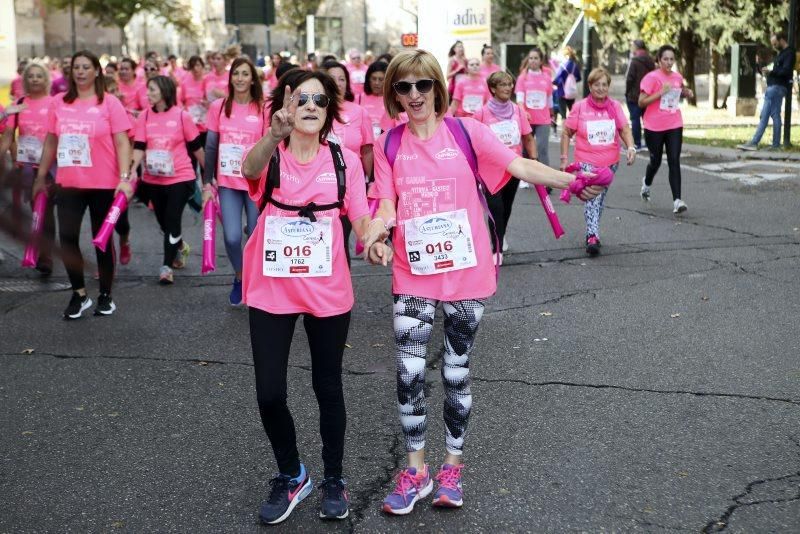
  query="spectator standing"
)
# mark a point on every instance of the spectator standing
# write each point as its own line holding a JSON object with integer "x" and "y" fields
{"x": 640, "y": 64}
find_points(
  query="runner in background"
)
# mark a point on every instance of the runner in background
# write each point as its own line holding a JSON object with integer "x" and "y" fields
{"x": 598, "y": 122}
{"x": 372, "y": 99}
{"x": 488, "y": 66}
{"x": 87, "y": 136}
{"x": 511, "y": 127}
{"x": 456, "y": 66}
{"x": 661, "y": 93}
{"x": 151, "y": 70}
{"x": 111, "y": 69}
{"x": 215, "y": 84}
{"x": 165, "y": 134}
{"x": 353, "y": 130}
{"x": 60, "y": 83}
{"x": 534, "y": 91}
{"x": 194, "y": 98}
{"x": 566, "y": 81}
{"x": 471, "y": 92}
{"x": 129, "y": 86}
{"x": 123, "y": 226}
{"x": 25, "y": 122}
{"x": 357, "y": 70}
{"x": 17, "y": 89}
{"x": 234, "y": 125}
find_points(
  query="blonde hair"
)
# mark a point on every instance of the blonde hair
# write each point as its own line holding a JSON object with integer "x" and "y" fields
{"x": 598, "y": 73}
{"x": 496, "y": 78}
{"x": 45, "y": 71}
{"x": 415, "y": 63}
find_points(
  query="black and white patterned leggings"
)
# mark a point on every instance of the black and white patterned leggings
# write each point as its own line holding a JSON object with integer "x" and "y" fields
{"x": 413, "y": 325}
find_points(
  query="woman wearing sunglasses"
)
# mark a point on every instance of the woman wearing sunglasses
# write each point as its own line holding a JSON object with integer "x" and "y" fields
{"x": 234, "y": 125}
{"x": 429, "y": 194}
{"x": 353, "y": 130}
{"x": 151, "y": 70}
{"x": 295, "y": 265}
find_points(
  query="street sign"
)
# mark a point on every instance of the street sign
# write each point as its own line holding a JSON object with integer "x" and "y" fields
{"x": 410, "y": 40}
{"x": 250, "y": 12}
{"x": 589, "y": 7}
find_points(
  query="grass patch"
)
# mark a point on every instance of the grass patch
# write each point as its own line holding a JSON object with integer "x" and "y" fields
{"x": 729, "y": 137}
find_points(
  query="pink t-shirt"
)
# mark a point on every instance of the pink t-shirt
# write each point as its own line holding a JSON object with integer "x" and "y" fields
{"x": 301, "y": 183}
{"x": 129, "y": 94}
{"x": 665, "y": 112}
{"x": 375, "y": 109}
{"x": 597, "y": 139}
{"x": 358, "y": 77}
{"x": 535, "y": 93}
{"x": 193, "y": 96}
{"x": 355, "y": 130}
{"x": 433, "y": 176}
{"x": 488, "y": 71}
{"x": 82, "y": 124}
{"x": 472, "y": 94}
{"x": 17, "y": 88}
{"x": 387, "y": 123}
{"x": 237, "y": 135}
{"x": 215, "y": 81}
{"x": 509, "y": 131}
{"x": 31, "y": 123}
{"x": 166, "y": 135}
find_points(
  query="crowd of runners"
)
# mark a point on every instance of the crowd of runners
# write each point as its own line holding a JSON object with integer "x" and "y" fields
{"x": 421, "y": 164}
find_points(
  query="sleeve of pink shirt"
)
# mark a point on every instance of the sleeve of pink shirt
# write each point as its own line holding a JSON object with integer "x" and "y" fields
{"x": 619, "y": 115}
{"x": 355, "y": 198}
{"x": 478, "y": 115}
{"x": 648, "y": 84}
{"x": 458, "y": 93}
{"x": 383, "y": 186}
{"x": 524, "y": 125}
{"x": 212, "y": 117}
{"x": 117, "y": 115}
{"x": 493, "y": 156}
{"x": 366, "y": 128}
{"x": 190, "y": 131}
{"x": 572, "y": 118}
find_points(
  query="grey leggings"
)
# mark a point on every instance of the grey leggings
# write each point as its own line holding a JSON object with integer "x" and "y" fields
{"x": 413, "y": 325}
{"x": 541, "y": 133}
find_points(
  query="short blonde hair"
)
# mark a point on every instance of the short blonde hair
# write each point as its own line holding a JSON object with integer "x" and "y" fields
{"x": 415, "y": 63}
{"x": 45, "y": 71}
{"x": 496, "y": 78}
{"x": 598, "y": 73}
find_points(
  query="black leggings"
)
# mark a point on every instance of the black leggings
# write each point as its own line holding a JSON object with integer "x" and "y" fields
{"x": 500, "y": 207}
{"x": 672, "y": 139}
{"x": 72, "y": 204}
{"x": 168, "y": 203}
{"x": 271, "y": 338}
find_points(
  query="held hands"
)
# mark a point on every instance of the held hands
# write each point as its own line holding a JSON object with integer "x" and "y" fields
{"x": 283, "y": 120}
{"x": 379, "y": 253}
{"x": 376, "y": 232}
{"x": 590, "y": 192}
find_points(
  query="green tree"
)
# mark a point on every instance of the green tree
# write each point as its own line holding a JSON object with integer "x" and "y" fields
{"x": 118, "y": 13}
{"x": 543, "y": 22}
{"x": 291, "y": 15}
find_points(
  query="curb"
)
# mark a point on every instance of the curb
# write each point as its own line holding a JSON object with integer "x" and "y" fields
{"x": 732, "y": 153}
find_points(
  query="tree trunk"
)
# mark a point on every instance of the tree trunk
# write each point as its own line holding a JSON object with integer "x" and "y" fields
{"x": 686, "y": 44}
{"x": 123, "y": 41}
{"x": 713, "y": 71}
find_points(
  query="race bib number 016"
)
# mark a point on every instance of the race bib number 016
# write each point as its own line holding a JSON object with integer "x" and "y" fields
{"x": 295, "y": 247}
{"x": 440, "y": 243}
{"x": 671, "y": 101}
{"x": 230, "y": 159}
{"x": 73, "y": 151}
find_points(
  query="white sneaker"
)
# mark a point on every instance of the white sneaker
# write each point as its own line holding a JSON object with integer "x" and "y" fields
{"x": 497, "y": 259}
{"x": 645, "y": 191}
{"x": 679, "y": 206}
{"x": 747, "y": 146}
{"x": 505, "y": 244}
{"x": 524, "y": 185}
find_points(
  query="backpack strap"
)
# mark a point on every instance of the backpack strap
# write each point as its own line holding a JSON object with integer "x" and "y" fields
{"x": 274, "y": 181}
{"x": 391, "y": 144}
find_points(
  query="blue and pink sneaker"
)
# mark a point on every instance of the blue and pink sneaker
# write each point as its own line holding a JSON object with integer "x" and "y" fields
{"x": 410, "y": 487}
{"x": 449, "y": 493}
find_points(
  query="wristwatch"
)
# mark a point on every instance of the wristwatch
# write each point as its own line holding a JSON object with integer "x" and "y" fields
{"x": 124, "y": 177}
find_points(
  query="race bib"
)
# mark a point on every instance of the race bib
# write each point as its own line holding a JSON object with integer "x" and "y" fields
{"x": 601, "y": 132}
{"x": 230, "y": 159}
{"x": 74, "y": 151}
{"x": 671, "y": 101}
{"x": 159, "y": 163}
{"x": 536, "y": 100}
{"x": 472, "y": 103}
{"x": 198, "y": 113}
{"x": 29, "y": 149}
{"x": 507, "y": 132}
{"x": 376, "y": 130}
{"x": 439, "y": 243}
{"x": 358, "y": 76}
{"x": 295, "y": 247}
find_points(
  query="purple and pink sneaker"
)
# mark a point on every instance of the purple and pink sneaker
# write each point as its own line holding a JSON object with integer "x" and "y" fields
{"x": 449, "y": 493}
{"x": 409, "y": 488}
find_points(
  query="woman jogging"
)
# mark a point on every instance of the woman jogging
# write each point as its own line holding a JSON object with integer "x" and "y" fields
{"x": 535, "y": 95}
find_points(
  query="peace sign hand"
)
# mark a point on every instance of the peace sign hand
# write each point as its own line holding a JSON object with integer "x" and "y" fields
{"x": 283, "y": 120}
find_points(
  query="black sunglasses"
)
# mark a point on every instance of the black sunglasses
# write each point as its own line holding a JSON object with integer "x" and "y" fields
{"x": 320, "y": 100}
{"x": 422, "y": 86}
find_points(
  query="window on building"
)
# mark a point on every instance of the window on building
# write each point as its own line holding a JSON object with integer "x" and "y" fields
{"x": 329, "y": 37}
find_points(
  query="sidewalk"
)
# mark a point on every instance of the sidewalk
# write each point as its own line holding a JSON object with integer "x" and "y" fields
{"x": 732, "y": 153}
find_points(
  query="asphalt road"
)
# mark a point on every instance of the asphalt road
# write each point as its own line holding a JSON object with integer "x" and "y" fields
{"x": 654, "y": 388}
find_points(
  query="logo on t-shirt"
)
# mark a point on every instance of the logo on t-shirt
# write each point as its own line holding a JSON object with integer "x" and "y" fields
{"x": 93, "y": 110}
{"x": 171, "y": 124}
{"x": 290, "y": 177}
{"x": 251, "y": 118}
{"x": 326, "y": 178}
{"x": 297, "y": 228}
{"x": 447, "y": 153}
{"x": 406, "y": 157}
{"x": 435, "y": 225}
